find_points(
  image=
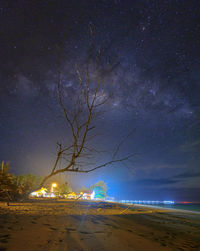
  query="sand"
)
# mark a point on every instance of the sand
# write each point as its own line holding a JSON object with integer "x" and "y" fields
{"x": 83, "y": 225}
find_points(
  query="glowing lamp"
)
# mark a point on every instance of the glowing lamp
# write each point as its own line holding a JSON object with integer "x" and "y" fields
{"x": 52, "y": 186}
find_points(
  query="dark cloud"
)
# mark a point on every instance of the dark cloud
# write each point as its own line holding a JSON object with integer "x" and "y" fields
{"x": 188, "y": 174}
{"x": 156, "y": 182}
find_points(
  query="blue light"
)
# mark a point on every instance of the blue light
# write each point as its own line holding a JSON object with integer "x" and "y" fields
{"x": 152, "y": 202}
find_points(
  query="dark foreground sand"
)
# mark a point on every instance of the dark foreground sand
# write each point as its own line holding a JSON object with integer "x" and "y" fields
{"x": 67, "y": 225}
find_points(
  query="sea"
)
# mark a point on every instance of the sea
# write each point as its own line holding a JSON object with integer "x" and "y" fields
{"x": 183, "y": 206}
{"x": 189, "y": 206}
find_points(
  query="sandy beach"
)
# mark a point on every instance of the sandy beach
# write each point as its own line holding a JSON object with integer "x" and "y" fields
{"x": 83, "y": 225}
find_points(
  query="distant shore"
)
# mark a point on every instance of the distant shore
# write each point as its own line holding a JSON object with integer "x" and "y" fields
{"x": 89, "y": 225}
{"x": 165, "y": 208}
{"x": 156, "y": 207}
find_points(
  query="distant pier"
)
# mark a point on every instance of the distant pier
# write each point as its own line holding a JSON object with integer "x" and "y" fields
{"x": 150, "y": 202}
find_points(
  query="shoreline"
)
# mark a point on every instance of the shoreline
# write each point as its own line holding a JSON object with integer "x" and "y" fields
{"x": 156, "y": 207}
{"x": 125, "y": 205}
{"x": 171, "y": 209}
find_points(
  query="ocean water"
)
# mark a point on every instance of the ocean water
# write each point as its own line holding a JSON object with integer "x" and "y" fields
{"x": 183, "y": 206}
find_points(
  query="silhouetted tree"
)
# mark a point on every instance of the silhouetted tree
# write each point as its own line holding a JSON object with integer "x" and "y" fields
{"x": 7, "y": 183}
{"x": 26, "y": 183}
{"x": 81, "y": 109}
{"x": 63, "y": 189}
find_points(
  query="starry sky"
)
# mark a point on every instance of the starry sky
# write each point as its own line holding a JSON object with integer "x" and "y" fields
{"x": 155, "y": 90}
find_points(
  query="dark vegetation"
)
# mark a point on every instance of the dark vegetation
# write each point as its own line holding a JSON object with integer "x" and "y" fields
{"x": 16, "y": 187}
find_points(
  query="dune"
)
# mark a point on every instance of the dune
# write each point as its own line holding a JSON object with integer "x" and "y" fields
{"x": 89, "y": 225}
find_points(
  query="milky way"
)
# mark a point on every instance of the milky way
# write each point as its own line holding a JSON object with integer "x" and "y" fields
{"x": 154, "y": 89}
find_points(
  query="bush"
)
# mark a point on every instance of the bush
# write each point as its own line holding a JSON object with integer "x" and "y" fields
{"x": 16, "y": 187}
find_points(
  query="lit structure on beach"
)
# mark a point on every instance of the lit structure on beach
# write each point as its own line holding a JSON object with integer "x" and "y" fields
{"x": 88, "y": 196}
{"x": 39, "y": 193}
{"x": 92, "y": 195}
{"x": 71, "y": 195}
{"x": 42, "y": 193}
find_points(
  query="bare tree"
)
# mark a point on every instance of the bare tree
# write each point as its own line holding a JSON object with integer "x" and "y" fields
{"x": 82, "y": 110}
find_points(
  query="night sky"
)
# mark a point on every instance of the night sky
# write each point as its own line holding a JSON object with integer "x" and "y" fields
{"x": 155, "y": 90}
